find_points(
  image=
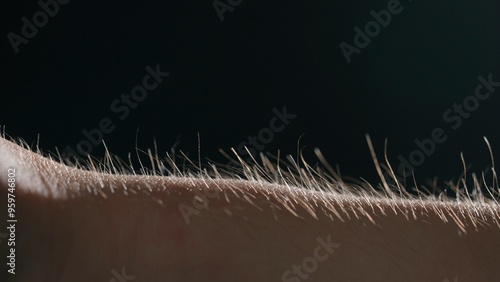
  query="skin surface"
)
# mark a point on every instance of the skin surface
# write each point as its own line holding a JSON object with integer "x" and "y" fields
{"x": 78, "y": 225}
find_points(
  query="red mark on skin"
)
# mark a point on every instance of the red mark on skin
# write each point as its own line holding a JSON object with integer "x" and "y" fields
{"x": 178, "y": 234}
{"x": 178, "y": 231}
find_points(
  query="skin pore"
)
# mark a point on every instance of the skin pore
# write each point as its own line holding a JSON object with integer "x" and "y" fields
{"x": 274, "y": 225}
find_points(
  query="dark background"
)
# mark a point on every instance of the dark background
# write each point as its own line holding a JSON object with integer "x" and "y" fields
{"x": 227, "y": 76}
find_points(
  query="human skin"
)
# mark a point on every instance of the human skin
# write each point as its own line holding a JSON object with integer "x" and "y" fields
{"x": 81, "y": 225}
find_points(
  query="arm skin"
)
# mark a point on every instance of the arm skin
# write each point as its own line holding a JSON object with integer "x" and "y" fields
{"x": 243, "y": 231}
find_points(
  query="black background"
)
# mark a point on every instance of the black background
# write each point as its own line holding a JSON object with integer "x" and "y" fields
{"x": 227, "y": 76}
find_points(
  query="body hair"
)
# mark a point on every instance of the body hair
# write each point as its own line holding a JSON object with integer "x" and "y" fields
{"x": 291, "y": 182}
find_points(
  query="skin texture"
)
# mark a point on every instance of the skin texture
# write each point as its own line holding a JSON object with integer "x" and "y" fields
{"x": 79, "y": 225}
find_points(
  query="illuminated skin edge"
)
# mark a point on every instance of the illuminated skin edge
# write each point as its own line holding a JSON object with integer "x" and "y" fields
{"x": 78, "y": 225}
